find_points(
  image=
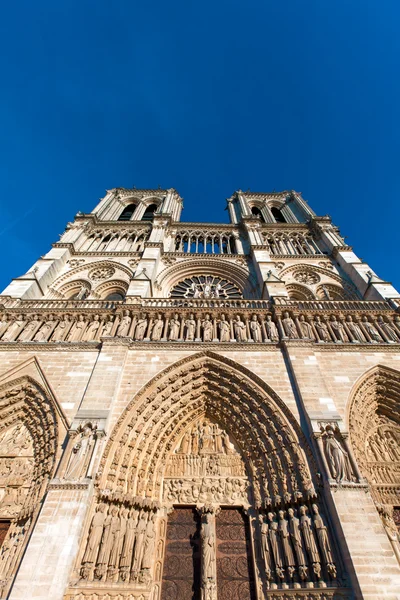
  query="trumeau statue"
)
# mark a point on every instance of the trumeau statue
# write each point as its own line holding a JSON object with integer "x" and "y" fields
{"x": 81, "y": 453}
{"x": 208, "y": 550}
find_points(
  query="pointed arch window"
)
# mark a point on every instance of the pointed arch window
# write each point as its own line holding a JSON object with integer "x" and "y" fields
{"x": 257, "y": 212}
{"x": 277, "y": 214}
{"x": 149, "y": 212}
{"x": 127, "y": 213}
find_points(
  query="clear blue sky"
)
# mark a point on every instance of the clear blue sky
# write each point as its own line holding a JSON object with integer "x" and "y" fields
{"x": 206, "y": 97}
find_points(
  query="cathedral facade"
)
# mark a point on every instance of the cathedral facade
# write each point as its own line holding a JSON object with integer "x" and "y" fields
{"x": 200, "y": 411}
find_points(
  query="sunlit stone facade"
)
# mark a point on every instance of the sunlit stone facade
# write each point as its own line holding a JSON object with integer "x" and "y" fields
{"x": 199, "y": 411}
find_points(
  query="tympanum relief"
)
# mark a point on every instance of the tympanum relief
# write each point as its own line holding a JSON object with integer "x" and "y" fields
{"x": 206, "y": 467}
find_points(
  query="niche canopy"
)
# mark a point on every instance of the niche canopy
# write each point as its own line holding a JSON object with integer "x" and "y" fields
{"x": 205, "y": 286}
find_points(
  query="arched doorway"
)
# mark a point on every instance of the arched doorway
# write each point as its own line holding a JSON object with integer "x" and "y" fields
{"x": 211, "y": 480}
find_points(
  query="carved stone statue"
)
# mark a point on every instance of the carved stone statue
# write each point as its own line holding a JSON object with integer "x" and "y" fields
{"x": 208, "y": 329}
{"x": 93, "y": 542}
{"x": 240, "y": 329}
{"x": 370, "y": 329}
{"x": 107, "y": 327}
{"x": 283, "y": 529}
{"x": 150, "y": 543}
{"x": 110, "y": 536}
{"x": 60, "y": 331}
{"x": 322, "y": 329}
{"x": 29, "y": 330}
{"x": 255, "y": 329}
{"x": 92, "y": 329}
{"x": 141, "y": 327}
{"x": 386, "y": 328}
{"x": 355, "y": 330}
{"x": 190, "y": 324}
{"x": 338, "y": 330}
{"x": 295, "y": 536}
{"x": 306, "y": 329}
{"x": 174, "y": 328}
{"x": 274, "y": 541}
{"x": 289, "y": 326}
{"x": 271, "y": 329}
{"x": 208, "y": 550}
{"x": 265, "y": 553}
{"x": 43, "y": 334}
{"x": 14, "y": 329}
{"x": 337, "y": 457}
{"x": 323, "y": 540}
{"x": 308, "y": 536}
{"x": 224, "y": 330}
{"x": 129, "y": 543}
{"x": 157, "y": 330}
{"x": 123, "y": 327}
{"x": 81, "y": 453}
{"x": 77, "y": 329}
{"x": 139, "y": 545}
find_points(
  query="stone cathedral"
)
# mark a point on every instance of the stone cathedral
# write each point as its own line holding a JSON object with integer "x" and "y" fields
{"x": 200, "y": 411}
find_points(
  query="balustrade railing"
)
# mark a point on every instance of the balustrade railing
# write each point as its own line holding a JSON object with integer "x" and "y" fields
{"x": 337, "y": 305}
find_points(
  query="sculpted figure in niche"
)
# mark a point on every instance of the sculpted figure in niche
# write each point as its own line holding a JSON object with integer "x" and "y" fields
{"x": 322, "y": 329}
{"x": 139, "y": 546}
{"x": 14, "y": 329}
{"x": 224, "y": 329}
{"x": 61, "y": 330}
{"x": 295, "y": 536}
{"x": 323, "y": 540}
{"x": 81, "y": 453}
{"x": 338, "y": 459}
{"x": 29, "y": 330}
{"x": 110, "y": 536}
{"x": 306, "y": 329}
{"x": 174, "y": 327}
{"x": 150, "y": 543}
{"x": 255, "y": 329}
{"x": 240, "y": 329}
{"x": 157, "y": 329}
{"x": 309, "y": 540}
{"x": 207, "y": 328}
{"x": 276, "y": 551}
{"x": 190, "y": 324}
{"x": 92, "y": 330}
{"x": 355, "y": 330}
{"x": 129, "y": 542}
{"x": 93, "y": 542}
{"x": 386, "y": 328}
{"x": 141, "y": 327}
{"x": 289, "y": 326}
{"x": 338, "y": 330}
{"x": 265, "y": 547}
{"x": 284, "y": 534}
{"x": 107, "y": 327}
{"x": 77, "y": 329}
{"x": 372, "y": 332}
{"x": 272, "y": 331}
{"x": 207, "y": 537}
{"x": 123, "y": 327}
{"x": 117, "y": 546}
{"x": 44, "y": 331}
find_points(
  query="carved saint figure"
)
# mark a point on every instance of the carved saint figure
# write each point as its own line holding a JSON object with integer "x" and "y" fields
{"x": 276, "y": 551}
{"x": 338, "y": 458}
{"x": 308, "y": 535}
{"x": 306, "y": 329}
{"x": 174, "y": 327}
{"x": 129, "y": 543}
{"x": 271, "y": 329}
{"x": 190, "y": 324}
{"x": 322, "y": 329}
{"x": 255, "y": 329}
{"x": 207, "y": 439}
{"x": 93, "y": 542}
{"x": 123, "y": 327}
{"x": 44, "y": 331}
{"x": 265, "y": 546}
{"x": 81, "y": 453}
{"x": 240, "y": 329}
{"x": 224, "y": 329}
{"x": 295, "y": 536}
{"x": 139, "y": 546}
{"x": 370, "y": 329}
{"x": 107, "y": 327}
{"x": 110, "y": 536}
{"x": 29, "y": 330}
{"x": 355, "y": 330}
{"x": 61, "y": 330}
{"x": 338, "y": 330}
{"x": 208, "y": 329}
{"x": 289, "y": 326}
{"x": 207, "y": 536}
{"x": 157, "y": 329}
{"x": 284, "y": 534}
{"x": 149, "y": 544}
{"x": 141, "y": 327}
{"x": 92, "y": 329}
{"x": 14, "y": 329}
{"x": 324, "y": 544}
{"x": 77, "y": 329}
{"x": 185, "y": 444}
{"x": 386, "y": 328}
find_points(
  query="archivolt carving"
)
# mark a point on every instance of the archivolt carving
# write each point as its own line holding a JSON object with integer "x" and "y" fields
{"x": 269, "y": 440}
{"x": 29, "y": 433}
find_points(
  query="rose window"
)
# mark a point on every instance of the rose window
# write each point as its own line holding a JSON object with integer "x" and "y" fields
{"x": 205, "y": 286}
